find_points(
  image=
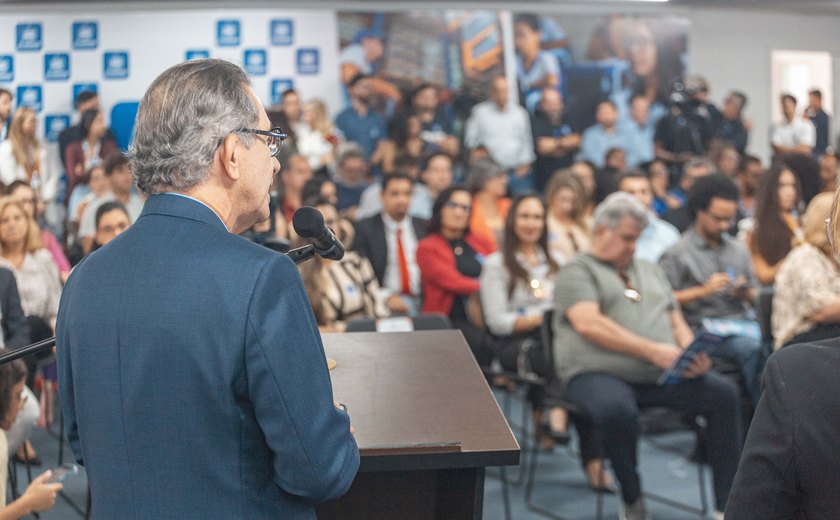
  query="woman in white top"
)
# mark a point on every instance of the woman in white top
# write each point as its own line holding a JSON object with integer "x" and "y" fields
{"x": 316, "y": 138}
{"x": 517, "y": 287}
{"x": 38, "y": 281}
{"x": 23, "y": 157}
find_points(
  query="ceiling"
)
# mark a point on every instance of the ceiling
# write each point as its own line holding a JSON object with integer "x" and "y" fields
{"x": 799, "y": 6}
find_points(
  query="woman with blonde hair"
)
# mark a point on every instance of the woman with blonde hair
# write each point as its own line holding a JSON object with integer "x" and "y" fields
{"x": 23, "y": 157}
{"x": 316, "y": 137}
{"x": 569, "y": 225}
{"x": 38, "y": 281}
{"x": 806, "y": 300}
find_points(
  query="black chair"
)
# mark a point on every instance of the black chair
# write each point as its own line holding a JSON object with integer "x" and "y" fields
{"x": 575, "y": 412}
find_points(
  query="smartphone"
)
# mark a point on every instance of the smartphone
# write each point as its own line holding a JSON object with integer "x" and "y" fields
{"x": 61, "y": 473}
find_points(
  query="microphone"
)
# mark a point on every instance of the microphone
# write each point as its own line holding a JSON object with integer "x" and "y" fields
{"x": 309, "y": 223}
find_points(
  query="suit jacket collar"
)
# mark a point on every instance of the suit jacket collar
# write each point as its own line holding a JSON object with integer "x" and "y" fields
{"x": 172, "y": 205}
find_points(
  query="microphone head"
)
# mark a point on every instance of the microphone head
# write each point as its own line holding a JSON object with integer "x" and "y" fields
{"x": 308, "y": 222}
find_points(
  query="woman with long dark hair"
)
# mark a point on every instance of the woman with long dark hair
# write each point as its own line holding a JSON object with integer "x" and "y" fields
{"x": 450, "y": 260}
{"x": 517, "y": 285}
{"x": 777, "y": 227}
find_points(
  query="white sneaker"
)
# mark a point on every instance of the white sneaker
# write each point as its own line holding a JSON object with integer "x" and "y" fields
{"x": 635, "y": 511}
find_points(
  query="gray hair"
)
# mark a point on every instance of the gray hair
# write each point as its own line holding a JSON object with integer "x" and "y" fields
{"x": 617, "y": 206}
{"x": 183, "y": 118}
{"x": 699, "y": 161}
{"x": 482, "y": 171}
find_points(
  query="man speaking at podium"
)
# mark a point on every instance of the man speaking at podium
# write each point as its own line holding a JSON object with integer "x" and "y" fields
{"x": 193, "y": 379}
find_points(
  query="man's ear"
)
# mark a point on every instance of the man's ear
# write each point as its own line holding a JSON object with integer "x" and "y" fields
{"x": 230, "y": 157}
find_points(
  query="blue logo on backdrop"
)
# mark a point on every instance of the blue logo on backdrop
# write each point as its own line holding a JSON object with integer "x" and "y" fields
{"x": 282, "y": 32}
{"x": 56, "y": 66}
{"x": 83, "y": 87}
{"x": 255, "y": 62}
{"x": 278, "y": 86}
{"x": 196, "y": 54}
{"x": 307, "y": 61}
{"x": 85, "y": 35}
{"x": 54, "y": 124}
{"x": 7, "y": 68}
{"x": 29, "y": 36}
{"x": 227, "y": 33}
{"x": 115, "y": 65}
{"x": 30, "y": 96}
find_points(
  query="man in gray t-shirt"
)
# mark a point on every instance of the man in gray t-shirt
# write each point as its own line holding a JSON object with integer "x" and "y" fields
{"x": 713, "y": 276}
{"x": 617, "y": 327}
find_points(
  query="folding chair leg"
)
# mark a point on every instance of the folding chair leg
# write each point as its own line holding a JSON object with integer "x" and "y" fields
{"x": 505, "y": 495}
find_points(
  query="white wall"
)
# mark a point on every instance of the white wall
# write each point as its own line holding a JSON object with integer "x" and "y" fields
{"x": 731, "y": 48}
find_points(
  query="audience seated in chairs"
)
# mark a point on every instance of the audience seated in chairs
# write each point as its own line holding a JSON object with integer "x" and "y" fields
{"x": 40, "y": 494}
{"x": 37, "y": 277}
{"x": 340, "y": 290}
{"x": 450, "y": 261}
{"x": 806, "y": 301}
{"x": 567, "y": 221}
{"x": 712, "y": 275}
{"x": 776, "y": 228}
{"x": 617, "y": 327}
{"x": 389, "y": 241}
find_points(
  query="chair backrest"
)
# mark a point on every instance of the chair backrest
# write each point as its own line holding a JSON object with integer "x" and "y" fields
{"x": 426, "y": 321}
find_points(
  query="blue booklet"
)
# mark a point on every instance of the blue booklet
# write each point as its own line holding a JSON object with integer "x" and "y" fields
{"x": 712, "y": 332}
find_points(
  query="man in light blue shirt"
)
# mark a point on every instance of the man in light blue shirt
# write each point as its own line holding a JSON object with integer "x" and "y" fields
{"x": 659, "y": 235}
{"x": 639, "y": 132}
{"x": 602, "y": 136}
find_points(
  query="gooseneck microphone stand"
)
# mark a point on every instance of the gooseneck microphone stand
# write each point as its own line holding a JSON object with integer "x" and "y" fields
{"x": 298, "y": 255}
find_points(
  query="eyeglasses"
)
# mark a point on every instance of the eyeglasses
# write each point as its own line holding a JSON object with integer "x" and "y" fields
{"x": 828, "y": 232}
{"x": 275, "y": 138}
{"x": 630, "y": 292}
{"x": 452, "y": 205}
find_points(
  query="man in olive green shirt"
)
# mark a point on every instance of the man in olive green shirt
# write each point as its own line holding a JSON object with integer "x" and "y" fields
{"x": 618, "y": 327}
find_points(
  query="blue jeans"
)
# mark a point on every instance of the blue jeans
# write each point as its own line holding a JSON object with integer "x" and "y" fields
{"x": 749, "y": 356}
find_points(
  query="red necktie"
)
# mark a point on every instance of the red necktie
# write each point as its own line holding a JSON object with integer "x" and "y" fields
{"x": 404, "y": 278}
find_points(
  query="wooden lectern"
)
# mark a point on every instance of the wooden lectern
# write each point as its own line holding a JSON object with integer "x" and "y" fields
{"x": 426, "y": 423}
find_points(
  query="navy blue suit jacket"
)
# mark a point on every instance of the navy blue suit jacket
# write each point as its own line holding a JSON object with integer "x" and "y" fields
{"x": 193, "y": 378}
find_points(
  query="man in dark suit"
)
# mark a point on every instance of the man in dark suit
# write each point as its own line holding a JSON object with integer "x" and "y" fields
{"x": 389, "y": 240}
{"x": 193, "y": 379}
{"x": 15, "y": 327}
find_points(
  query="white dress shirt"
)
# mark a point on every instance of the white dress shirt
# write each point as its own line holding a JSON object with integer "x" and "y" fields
{"x": 505, "y": 133}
